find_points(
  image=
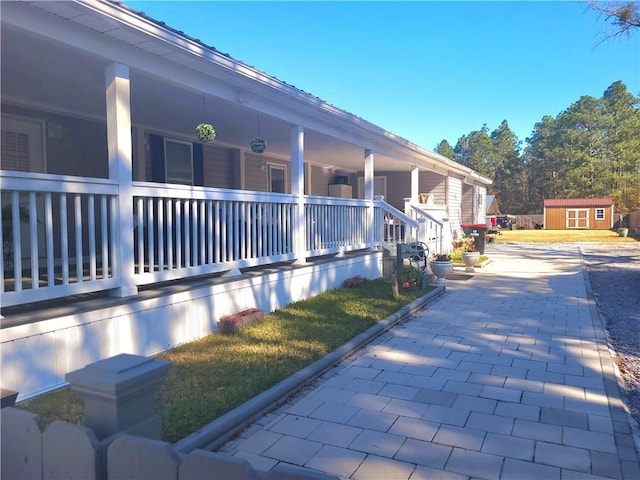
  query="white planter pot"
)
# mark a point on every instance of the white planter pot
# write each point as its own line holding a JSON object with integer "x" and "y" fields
{"x": 441, "y": 270}
{"x": 470, "y": 259}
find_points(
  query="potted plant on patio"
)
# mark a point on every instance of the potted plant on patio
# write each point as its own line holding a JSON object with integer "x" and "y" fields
{"x": 469, "y": 256}
{"x": 441, "y": 266}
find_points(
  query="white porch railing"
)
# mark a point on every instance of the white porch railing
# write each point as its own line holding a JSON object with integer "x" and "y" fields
{"x": 335, "y": 225}
{"x": 392, "y": 226}
{"x": 57, "y": 236}
{"x": 60, "y": 233}
{"x": 431, "y": 231}
{"x": 183, "y": 231}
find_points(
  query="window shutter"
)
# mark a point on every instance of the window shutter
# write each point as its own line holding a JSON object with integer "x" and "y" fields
{"x": 198, "y": 165}
{"x": 156, "y": 149}
{"x": 15, "y": 151}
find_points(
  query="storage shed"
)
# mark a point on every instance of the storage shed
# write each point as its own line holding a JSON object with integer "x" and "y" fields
{"x": 578, "y": 213}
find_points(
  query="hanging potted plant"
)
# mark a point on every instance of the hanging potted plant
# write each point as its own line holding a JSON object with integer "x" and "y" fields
{"x": 205, "y": 132}
{"x": 258, "y": 145}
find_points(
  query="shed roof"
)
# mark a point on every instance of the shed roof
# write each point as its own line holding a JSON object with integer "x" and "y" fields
{"x": 578, "y": 202}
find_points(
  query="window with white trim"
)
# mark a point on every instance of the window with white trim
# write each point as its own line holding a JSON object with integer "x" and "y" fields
{"x": 178, "y": 160}
{"x": 599, "y": 213}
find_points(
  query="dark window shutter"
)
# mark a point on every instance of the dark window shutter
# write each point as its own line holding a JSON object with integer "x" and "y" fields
{"x": 156, "y": 149}
{"x": 198, "y": 165}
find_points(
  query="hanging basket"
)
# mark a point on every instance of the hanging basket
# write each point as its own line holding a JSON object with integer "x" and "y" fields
{"x": 258, "y": 145}
{"x": 205, "y": 133}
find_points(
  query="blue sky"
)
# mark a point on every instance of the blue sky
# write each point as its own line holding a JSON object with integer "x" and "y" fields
{"x": 426, "y": 71}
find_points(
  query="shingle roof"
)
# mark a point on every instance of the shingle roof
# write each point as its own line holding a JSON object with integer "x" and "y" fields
{"x": 578, "y": 202}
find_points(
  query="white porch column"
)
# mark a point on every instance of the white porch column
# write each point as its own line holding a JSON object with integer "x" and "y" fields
{"x": 297, "y": 189}
{"x": 120, "y": 170}
{"x": 415, "y": 183}
{"x": 368, "y": 196}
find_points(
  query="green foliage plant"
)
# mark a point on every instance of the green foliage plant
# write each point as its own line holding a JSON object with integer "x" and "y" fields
{"x": 205, "y": 133}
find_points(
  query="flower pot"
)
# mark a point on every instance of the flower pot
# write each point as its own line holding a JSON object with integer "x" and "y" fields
{"x": 441, "y": 270}
{"x": 470, "y": 259}
{"x": 623, "y": 232}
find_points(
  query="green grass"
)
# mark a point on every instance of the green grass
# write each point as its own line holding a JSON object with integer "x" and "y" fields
{"x": 213, "y": 375}
{"x": 561, "y": 236}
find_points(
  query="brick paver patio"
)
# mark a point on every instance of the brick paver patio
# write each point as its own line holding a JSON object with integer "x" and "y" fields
{"x": 507, "y": 375}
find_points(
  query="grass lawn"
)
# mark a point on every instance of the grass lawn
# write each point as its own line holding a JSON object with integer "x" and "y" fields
{"x": 561, "y": 236}
{"x": 211, "y": 376}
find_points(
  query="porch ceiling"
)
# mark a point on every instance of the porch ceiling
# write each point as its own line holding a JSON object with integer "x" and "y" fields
{"x": 68, "y": 77}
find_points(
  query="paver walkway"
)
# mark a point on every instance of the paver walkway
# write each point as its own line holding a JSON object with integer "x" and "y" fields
{"x": 507, "y": 375}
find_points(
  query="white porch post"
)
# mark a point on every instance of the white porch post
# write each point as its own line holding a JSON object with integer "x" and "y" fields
{"x": 368, "y": 196}
{"x": 415, "y": 183}
{"x": 120, "y": 170}
{"x": 297, "y": 189}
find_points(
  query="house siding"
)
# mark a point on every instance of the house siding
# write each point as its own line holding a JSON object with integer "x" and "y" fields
{"x": 435, "y": 185}
{"x": 454, "y": 202}
{"x": 218, "y": 167}
{"x": 257, "y": 172}
{"x": 481, "y": 206}
{"x": 468, "y": 195}
{"x": 398, "y": 188}
{"x": 319, "y": 180}
{"x": 72, "y": 146}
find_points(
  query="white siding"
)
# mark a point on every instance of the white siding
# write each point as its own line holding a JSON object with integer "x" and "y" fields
{"x": 468, "y": 203}
{"x": 454, "y": 203}
{"x": 481, "y": 195}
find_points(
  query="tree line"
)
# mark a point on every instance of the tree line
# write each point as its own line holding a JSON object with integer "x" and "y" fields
{"x": 591, "y": 149}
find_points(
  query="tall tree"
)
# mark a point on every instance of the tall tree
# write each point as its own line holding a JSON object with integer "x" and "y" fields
{"x": 621, "y": 146}
{"x": 509, "y": 177}
{"x": 474, "y": 150}
{"x": 445, "y": 149}
{"x": 590, "y": 149}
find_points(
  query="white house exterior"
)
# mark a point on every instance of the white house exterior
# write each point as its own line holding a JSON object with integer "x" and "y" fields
{"x": 121, "y": 233}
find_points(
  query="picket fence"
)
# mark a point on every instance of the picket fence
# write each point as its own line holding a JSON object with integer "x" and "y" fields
{"x": 31, "y": 451}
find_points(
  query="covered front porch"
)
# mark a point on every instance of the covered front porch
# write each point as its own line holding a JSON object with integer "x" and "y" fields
{"x": 106, "y": 192}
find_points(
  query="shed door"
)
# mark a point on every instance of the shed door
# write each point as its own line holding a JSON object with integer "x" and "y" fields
{"x": 577, "y": 218}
